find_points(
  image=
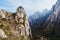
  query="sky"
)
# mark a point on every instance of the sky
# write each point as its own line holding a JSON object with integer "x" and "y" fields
{"x": 30, "y": 6}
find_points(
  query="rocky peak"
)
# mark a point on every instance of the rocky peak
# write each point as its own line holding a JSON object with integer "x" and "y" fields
{"x": 22, "y": 19}
{"x": 15, "y": 25}
{"x": 20, "y": 12}
{"x": 20, "y": 8}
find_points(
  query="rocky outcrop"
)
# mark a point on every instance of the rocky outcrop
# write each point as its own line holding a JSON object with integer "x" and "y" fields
{"x": 15, "y": 25}
{"x": 22, "y": 21}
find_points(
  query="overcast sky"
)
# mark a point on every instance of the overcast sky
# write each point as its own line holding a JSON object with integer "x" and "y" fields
{"x": 30, "y": 6}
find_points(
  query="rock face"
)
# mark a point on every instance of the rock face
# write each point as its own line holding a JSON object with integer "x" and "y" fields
{"x": 2, "y": 34}
{"x": 15, "y": 25}
{"x": 52, "y": 21}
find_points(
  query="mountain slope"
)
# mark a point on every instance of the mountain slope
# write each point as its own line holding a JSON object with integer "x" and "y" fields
{"x": 37, "y": 21}
{"x": 53, "y": 20}
{"x": 48, "y": 25}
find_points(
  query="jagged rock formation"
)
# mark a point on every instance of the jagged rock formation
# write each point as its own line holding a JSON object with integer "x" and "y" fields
{"x": 14, "y": 25}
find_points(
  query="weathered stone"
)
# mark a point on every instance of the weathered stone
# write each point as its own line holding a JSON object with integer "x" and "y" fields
{"x": 2, "y": 34}
{"x": 15, "y": 25}
{"x": 2, "y": 14}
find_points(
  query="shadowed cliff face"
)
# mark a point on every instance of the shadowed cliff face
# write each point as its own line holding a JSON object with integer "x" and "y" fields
{"x": 47, "y": 26}
{"x": 14, "y": 26}
{"x": 52, "y": 21}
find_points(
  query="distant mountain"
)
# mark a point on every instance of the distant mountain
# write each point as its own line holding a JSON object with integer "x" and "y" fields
{"x": 38, "y": 16}
{"x": 35, "y": 16}
{"x": 46, "y": 23}
{"x": 37, "y": 20}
